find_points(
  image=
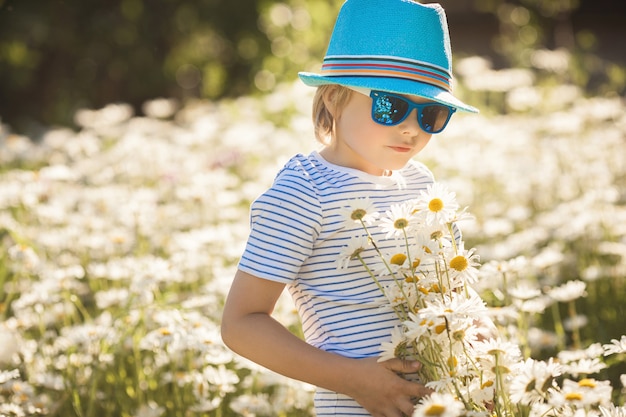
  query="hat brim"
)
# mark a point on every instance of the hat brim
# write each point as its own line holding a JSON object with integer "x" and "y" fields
{"x": 395, "y": 85}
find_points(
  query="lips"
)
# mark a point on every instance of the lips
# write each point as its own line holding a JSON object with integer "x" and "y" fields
{"x": 402, "y": 149}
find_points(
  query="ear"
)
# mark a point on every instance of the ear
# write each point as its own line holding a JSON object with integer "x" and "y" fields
{"x": 330, "y": 101}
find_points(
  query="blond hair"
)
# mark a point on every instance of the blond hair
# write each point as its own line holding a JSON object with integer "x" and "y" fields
{"x": 323, "y": 117}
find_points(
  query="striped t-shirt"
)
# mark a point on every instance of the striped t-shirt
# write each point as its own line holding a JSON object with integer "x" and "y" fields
{"x": 297, "y": 233}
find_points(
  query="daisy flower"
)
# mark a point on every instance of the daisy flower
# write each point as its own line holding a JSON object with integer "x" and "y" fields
{"x": 462, "y": 266}
{"x": 584, "y": 367}
{"x": 439, "y": 405}
{"x": 392, "y": 260}
{"x": 361, "y": 210}
{"x": 455, "y": 306}
{"x": 584, "y": 393}
{"x": 616, "y": 346}
{"x": 430, "y": 240}
{"x": 613, "y": 411}
{"x": 354, "y": 248}
{"x": 498, "y": 355}
{"x": 524, "y": 290}
{"x": 569, "y": 291}
{"x": 8, "y": 375}
{"x": 399, "y": 219}
{"x": 437, "y": 205}
{"x": 533, "y": 381}
{"x": 392, "y": 349}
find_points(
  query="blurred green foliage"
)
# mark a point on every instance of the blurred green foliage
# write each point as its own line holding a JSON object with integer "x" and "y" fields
{"x": 60, "y": 55}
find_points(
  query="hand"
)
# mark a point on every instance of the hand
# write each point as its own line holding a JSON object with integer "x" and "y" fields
{"x": 381, "y": 391}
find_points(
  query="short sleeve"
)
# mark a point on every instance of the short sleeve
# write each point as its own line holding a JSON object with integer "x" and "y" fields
{"x": 285, "y": 221}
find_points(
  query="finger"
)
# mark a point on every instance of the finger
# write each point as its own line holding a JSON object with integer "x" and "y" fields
{"x": 419, "y": 391}
{"x": 402, "y": 365}
{"x": 407, "y": 407}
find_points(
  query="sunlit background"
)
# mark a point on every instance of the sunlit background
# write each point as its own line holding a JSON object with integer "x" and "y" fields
{"x": 134, "y": 136}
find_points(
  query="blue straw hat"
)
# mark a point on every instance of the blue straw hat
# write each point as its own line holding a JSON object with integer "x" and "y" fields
{"x": 397, "y": 46}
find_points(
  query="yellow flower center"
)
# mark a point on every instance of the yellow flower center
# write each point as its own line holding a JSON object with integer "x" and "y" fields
{"x": 459, "y": 335}
{"x": 587, "y": 382}
{"x": 487, "y": 384}
{"x": 459, "y": 263}
{"x": 358, "y": 214}
{"x": 400, "y": 223}
{"x": 440, "y": 328}
{"x": 435, "y": 410}
{"x": 435, "y": 288}
{"x": 574, "y": 396}
{"x": 411, "y": 278}
{"x": 436, "y": 235}
{"x": 398, "y": 259}
{"x": 435, "y": 205}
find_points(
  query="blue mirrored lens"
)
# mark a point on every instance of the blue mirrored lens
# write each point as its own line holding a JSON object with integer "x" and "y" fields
{"x": 391, "y": 109}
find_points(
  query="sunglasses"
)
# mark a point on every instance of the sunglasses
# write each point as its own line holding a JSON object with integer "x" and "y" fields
{"x": 391, "y": 109}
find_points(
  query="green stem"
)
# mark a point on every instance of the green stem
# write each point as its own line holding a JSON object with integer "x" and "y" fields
{"x": 571, "y": 309}
{"x": 558, "y": 326}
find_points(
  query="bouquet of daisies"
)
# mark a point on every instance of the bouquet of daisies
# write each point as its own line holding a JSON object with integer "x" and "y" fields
{"x": 426, "y": 277}
{"x": 426, "y": 274}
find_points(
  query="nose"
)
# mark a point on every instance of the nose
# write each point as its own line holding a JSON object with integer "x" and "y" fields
{"x": 410, "y": 125}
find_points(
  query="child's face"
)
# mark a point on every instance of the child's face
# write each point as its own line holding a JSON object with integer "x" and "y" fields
{"x": 363, "y": 144}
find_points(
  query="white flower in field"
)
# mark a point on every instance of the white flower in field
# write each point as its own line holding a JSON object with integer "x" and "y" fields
{"x": 576, "y": 322}
{"x": 290, "y": 395}
{"x": 113, "y": 297}
{"x": 204, "y": 405}
{"x": 524, "y": 290}
{"x": 612, "y": 410}
{"x": 437, "y": 205}
{"x": 150, "y": 409}
{"x": 399, "y": 220}
{"x": 481, "y": 391}
{"x": 9, "y": 345}
{"x": 594, "y": 350}
{"x": 616, "y": 346}
{"x": 584, "y": 393}
{"x": 497, "y": 355}
{"x": 221, "y": 379}
{"x": 439, "y": 405}
{"x": 8, "y": 375}
{"x": 584, "y": 367}
{"x": 569, "y": 291}
{"x": 535, "y": 305}
{"x": 11, "y": 409}
{"x": 352, "y": 251}
{"x": 361, "y": 210}
{"x": 160, "y": 108}
{"x": 533, "y": 381}
{"x": 250, "y": 405}
{"x": 23, "y": 257}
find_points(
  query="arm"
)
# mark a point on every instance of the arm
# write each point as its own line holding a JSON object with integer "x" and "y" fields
{"x": 249, "y": 330}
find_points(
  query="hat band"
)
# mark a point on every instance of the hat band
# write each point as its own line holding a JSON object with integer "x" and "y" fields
{"x": 385, "y": 67}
